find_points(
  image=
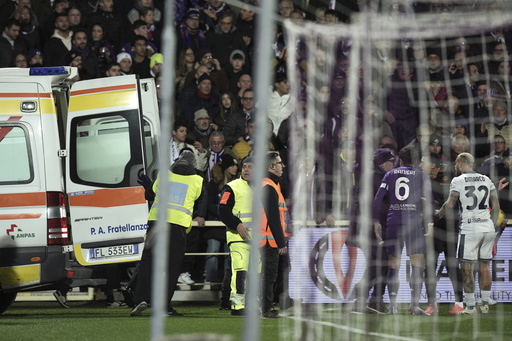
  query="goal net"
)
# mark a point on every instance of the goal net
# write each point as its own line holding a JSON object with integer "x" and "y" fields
{"x": 433, "y": 76}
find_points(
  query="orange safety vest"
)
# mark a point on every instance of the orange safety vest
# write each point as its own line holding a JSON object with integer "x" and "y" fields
{"x": 284, "y": 215}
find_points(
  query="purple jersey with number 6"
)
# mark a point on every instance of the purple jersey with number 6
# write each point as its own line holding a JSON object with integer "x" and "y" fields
{"x": 405, "y": 187}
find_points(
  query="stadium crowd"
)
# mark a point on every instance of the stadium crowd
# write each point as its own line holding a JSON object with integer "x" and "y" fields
{"x": 461, "y": 86}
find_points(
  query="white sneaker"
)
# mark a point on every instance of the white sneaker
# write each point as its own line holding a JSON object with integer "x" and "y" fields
{"x": 492, "y": 302}
{"x": 468, "y": 311}
{"x": 186, "y": 279}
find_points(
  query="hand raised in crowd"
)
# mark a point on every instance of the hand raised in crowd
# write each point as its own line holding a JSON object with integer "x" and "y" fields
{"x": 216, "y": 63}
{"x": 199, "y": 147}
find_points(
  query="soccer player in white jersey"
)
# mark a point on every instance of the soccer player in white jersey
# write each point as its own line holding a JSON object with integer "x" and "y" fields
{"x": 476, "y": 193}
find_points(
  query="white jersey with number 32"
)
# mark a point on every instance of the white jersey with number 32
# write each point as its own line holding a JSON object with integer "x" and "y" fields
{"x": 474, "y": 191}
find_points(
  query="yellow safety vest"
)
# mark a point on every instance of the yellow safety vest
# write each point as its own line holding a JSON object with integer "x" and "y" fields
{"x": 183, "y": 192}
{"x": 242, "y": 208}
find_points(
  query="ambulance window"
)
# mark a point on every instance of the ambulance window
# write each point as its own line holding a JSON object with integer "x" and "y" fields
{"x": 15, "y": 167}
{"x": 106, "y": 149}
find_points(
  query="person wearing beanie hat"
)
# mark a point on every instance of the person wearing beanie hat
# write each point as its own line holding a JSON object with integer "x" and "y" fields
{"x": 237, "y": 54}
{"x": 229, "y": 161}
{"x": 376, "y": 258}
{"x": 125, "y": 62}
{"x": 381, "y": 157}
{"x": 35, "y": 57}
{"x": 186, "y": 188}
{"x": 155, "y": 63}
{"x": 189, "y": 32}
{"x": 235, "y": 211}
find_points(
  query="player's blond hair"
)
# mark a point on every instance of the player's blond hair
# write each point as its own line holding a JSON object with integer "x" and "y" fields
{"x": 468, "y": 159}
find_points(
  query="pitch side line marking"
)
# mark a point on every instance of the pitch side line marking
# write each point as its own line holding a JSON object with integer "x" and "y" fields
{"x": 354, "y": 330}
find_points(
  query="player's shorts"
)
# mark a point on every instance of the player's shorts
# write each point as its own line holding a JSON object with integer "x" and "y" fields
{"x": 413, "y": 237}
{"x": 475, "y": 246}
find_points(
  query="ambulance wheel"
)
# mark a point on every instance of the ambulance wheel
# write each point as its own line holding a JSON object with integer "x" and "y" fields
{"x": 6, "y": 300}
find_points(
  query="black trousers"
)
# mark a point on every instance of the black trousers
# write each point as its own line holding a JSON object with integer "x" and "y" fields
{"x": 176, "y": 254}
{"x": 375, "y": 273}
{"x": 269, "y": 267}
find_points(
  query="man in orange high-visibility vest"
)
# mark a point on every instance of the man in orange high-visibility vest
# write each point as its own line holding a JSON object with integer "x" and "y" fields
{"x": 273, "y": 232}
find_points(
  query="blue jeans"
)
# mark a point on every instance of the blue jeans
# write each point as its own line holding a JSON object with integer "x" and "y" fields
{"x": 213, "y": 273}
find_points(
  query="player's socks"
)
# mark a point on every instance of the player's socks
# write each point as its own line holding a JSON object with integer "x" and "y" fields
{"x": 470, "y": 300}
{"x": 393, "y": 285}
{"x": 486, "y": 296}
{"x": 416, "y": 282}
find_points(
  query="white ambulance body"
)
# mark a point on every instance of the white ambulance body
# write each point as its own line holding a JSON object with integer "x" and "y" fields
{"x": 70, "y": 158}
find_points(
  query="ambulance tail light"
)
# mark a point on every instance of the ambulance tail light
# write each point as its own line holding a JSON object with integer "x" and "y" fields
{"x": 57, "y": 220}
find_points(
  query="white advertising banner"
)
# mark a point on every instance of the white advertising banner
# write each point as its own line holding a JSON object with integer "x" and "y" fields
{"x": 325, "y": 270}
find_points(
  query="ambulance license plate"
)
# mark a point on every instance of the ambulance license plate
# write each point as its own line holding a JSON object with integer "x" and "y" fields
{"x": 114, "y": 251}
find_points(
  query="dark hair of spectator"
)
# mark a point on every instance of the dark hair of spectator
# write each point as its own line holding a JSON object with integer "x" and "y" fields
{"x": 331, "y": 12}
{"x": 137, "y": 38}
{"x": 138, "y": 23}
{"x": 12, "y": 22}
{"x": 179, "y": 123}
{"x": 144, "y": 11}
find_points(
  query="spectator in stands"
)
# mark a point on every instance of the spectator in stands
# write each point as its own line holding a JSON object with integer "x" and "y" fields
{"x": 203, "y": 97}
{"x": 320, "y": 15}
{"x": 201, "y": 129}
{"x": 189, "y": 34}
{"x": 179, "y": 141}
{"x": 236, "y": 124}
{"x": 499, "y": 124}
{"x": 35, "y": 57}
{"x": 227, "y": 106}
{"x": 113, "y": 70}
{"x": 134, "y": 13}
{"x": 10, "y": 8}
{"x": 20, "y": 60}
{"x": 90, "y": 67}
{"x": 58, "y": 7}
{"x": 147, "y": 15}
{"x": 101, "y": 47}
{"x": 155, "y": 63}
{"x": 185, "y": 64}
{"x": 140, "y": 62}
{"x": 216, "y": 150}
{"x": 125, "y": 62}
{"x": 204, "y": 57}
{"x": 401, "y": 115}
{"x": 140, "y": 28}
{"x": 285, "y": 8}
{"x": 115, "y": 25}
{"x": 29, "y": 26}
{"x": 460, "y": 144}
{"x": 245, "y": 22}
{"x": 280, "y": 103}
{"x": 225, "y": 38}
{"x": 502, "y": 81}
{"x": 499, "y": 51}
{"x": 60, "y": 42}
{"x": 11, "y": 43}
{"x": 434, "y": 62}
{"x": 236, "y": 68}
{"x": 74, "y": 18}
{"x": 244, "y": 83}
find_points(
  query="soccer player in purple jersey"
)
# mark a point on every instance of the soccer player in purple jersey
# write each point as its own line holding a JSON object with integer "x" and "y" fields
{"x": 405, "y": 186}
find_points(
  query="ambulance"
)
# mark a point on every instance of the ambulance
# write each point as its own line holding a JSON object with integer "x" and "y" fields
{"x": 71, "y": 153}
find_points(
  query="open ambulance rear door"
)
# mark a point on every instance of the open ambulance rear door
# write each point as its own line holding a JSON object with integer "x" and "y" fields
{"x": 104, "y": 143}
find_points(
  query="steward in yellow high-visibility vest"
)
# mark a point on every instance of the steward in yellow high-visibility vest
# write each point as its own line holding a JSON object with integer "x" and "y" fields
{"x": 235, "y": 210}
{"x": 273, "y": 229}
{"x": 184, "y": 189}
